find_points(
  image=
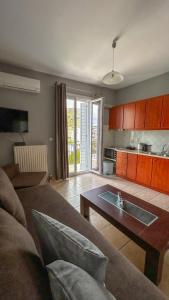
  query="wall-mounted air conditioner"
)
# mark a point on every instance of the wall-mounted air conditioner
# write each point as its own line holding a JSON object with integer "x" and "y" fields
{"x": 12, "y": 81}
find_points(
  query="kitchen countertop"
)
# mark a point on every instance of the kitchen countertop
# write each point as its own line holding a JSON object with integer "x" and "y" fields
{"x": 153, "y": 154}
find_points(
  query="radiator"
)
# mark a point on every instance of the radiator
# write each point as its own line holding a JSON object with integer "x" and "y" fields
{"x": 31, "y": 158}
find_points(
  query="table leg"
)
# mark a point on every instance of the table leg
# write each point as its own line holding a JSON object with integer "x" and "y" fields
{"x": 153, "y": 265}
{"x": 84, "y": 208}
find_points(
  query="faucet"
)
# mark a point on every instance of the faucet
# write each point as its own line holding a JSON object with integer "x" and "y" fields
{"x": 164, "y": 149}
{"x": 120, "y": 200}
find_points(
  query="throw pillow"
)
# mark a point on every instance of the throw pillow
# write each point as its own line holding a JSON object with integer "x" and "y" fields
{"x": 59, "y": 241}
{"x": 9, "y": 199}
{"x": 69, "y": 282}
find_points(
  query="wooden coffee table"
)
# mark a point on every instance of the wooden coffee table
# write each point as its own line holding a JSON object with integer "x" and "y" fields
{"x": 154, "y": 239}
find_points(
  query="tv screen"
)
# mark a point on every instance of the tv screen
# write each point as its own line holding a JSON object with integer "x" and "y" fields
{"x": 13, "y": 120}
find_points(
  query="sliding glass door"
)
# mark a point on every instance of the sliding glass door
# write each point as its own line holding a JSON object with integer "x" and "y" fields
{"x": 71, "y": 134}
{"x": 78, "y": 139}
{"x": 84, "y": 118}
{"x": 96, "y": 135}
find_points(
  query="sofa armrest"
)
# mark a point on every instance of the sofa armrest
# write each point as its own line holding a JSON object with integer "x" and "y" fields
{"x": 11, "y": 170}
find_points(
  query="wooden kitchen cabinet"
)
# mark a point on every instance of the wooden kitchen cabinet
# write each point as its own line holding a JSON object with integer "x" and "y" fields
{"x": 116, "y": 117}
{"x": 131, "y": 166}
{"x": 121, "y": 164}
{"x": 144, "y": 169}
{"x": 160, "y": 174}
{"x": 111, "y": 117}
{"x": 153, "y": 113}
{"x": 129, "y": 116}
{"x": 165, "y": 113}
{"x": 140, "y": 114}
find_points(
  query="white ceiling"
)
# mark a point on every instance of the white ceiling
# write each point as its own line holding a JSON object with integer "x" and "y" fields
{"x": 72, "y": 38}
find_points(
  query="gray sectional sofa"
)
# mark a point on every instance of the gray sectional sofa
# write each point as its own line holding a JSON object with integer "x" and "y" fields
{"x": 23, "y": 276}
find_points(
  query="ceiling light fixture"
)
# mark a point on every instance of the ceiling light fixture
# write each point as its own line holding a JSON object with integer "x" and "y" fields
{"x": 113, "y": 77}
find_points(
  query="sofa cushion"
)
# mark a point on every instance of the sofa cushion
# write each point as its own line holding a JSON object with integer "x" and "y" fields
{"x": 29, "y": 179}
{"x": 70, "y": 282}
{"x": 122, "y": 278}
{"x": 9, "y": 199}
{"x": 22, "y": 275}
{"x": 62, "y": 242}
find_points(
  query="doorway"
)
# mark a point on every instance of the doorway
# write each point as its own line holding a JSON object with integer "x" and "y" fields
{"x": 96, "y": 135}
{"x": 84, "y": 117}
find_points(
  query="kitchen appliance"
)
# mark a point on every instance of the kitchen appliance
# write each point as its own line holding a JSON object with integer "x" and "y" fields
{"x": 140, "y": 146}
{"x": 144, "y": 147}
{"x": 110, "y": 153}
{"x": 147, "y": 148}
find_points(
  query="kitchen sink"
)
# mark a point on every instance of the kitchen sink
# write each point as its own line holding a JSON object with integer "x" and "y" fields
{"x": 164, "y": 154}
{"x": 130, "y": 208}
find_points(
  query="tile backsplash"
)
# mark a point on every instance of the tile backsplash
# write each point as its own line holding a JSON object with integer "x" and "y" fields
{"x": 156, "y": 138}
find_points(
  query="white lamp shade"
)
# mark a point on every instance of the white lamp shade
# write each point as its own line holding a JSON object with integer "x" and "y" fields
{"x": 112, "y": 77}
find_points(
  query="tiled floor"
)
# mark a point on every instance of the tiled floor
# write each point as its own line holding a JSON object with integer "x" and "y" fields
{"x": 71, "y": 190}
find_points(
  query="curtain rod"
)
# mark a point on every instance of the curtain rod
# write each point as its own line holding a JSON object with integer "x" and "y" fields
{"x": 88, "y": 93}
{"x": 80, "y": 90}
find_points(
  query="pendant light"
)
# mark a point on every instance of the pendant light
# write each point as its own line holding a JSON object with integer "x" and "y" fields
{"x": 113, "y": 77}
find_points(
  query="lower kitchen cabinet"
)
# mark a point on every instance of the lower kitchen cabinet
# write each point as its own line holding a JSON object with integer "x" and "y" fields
{"x": 121, "y": 164}
{"x": 160, "y": 174}
{"x": 144, "y": 169}
{"x": 131, "y": 166}
{"x": 150, "y": 171}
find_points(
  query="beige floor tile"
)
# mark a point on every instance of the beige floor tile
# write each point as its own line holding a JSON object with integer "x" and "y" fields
{"x": 68, "y": 194}
{"x": 131, "y": 190}
{"x": 164, "y": 284}
{"x": 161, "y": 201}
{"x": 92, "y": 211}
{"x": 84, "y": 188}
{"x": 77, "y": 208}
{"x": 129, "y": 187}
{"x": 135, "y": 254}
{"x": 147, "y": 194}
{"x": 85, "y": 179}
{"x": 115, "y": 237}
{"x": 166, "y": 258}
{"x": 98, "y": 221}
{"x": 74, "y": 201}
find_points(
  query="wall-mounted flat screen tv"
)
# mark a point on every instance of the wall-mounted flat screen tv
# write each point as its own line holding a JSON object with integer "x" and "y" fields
{"x": 13, "y": 120}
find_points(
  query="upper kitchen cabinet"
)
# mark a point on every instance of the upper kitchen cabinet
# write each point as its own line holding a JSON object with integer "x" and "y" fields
{"x": 129, "y": 116}
{"x": 153, "y": 113}
{"x": 112, "y": 117}
{"x": 165, "y": 113}
{"x": 116, "y": 117}
{"x": 140, "y": 114}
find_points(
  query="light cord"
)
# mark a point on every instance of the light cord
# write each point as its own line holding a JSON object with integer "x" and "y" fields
{"x": 113, "y": 58}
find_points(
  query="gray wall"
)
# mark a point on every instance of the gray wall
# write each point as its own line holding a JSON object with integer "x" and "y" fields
{"x": 41, "y": 110}
{"x": 152, "y": 87}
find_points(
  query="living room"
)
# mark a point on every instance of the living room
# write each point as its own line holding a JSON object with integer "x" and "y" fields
{"x": 84, "y": 148}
